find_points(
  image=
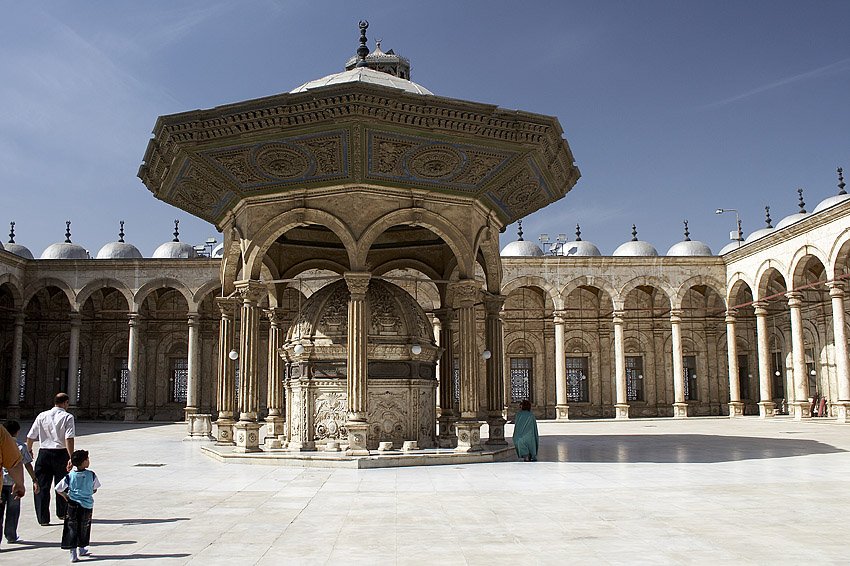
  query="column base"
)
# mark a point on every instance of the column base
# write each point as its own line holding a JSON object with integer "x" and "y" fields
{"x": 275, "y": 426}
{"x": 497, "y": 431}
{"x": 841, "y": 411}
{"x": 295, "y": 446}
{"x": 187, "y": 411}
{"x": 736, "y": 409}
{"x": 800, "y": 410}
{"x": 224, "y": 432}
{"x": 357, "y": 435}
{"x": 247, "y": 436}
{"x": 562, "y": 412}
{"x": 468, "y": 436}
{"x": 200, "y": 427}
{"x": 131, "y": 413}
{"x": 621, "y": 411}
{"x": 448, "y": 435}
{"x": 767, "y": 409}
{"x": 680, "y": 410}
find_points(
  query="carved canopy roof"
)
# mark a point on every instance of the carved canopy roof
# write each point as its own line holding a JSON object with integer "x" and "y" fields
{"x": 206, "y": 161}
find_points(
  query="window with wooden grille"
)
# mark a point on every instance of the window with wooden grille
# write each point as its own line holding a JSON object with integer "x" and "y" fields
{"x": 577, "y": 378}
{"x": 634, "y": 378}
{"x": 689, "y": 368}
{"x": 521, "y": 375}
{"x": 120, "y": 380}
{"x": 179, "y": 379}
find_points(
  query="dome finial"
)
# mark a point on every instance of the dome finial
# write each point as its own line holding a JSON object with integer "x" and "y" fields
{"x": 578, "y": 233}
{"x": 11, "y": 232}
{"x": 634, "y": 233}
{"x": 841, "y": 184}
{"x": 362, "y": 51}
{"x": 519, "y": 230}
{"x": 176, "y": 232}
{"x": 687, "y": 234}
{"x": 801, "y": 204}
{"x": 767, "y": 216}
{"x": 67, "y": 231}
{"x": 740, "y": 232}
{"x": 121, "y": 232}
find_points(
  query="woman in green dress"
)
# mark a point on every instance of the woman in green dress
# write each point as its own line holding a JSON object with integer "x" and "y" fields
{"x": 525, "y": 433}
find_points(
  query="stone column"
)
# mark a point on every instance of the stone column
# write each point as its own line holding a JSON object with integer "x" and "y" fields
{"x": 842, "y": 365}
{"x": 495, "y": 369}
{"x": 358, "y": 363}
{"x": 562, "y": 410}
{"x": 193, "y": 367}
{"x": 13, "y": 411}
{"x": 247, "y": 429}
{"x": 800, "y": 406}
{"x": 766, "y": 404}
{"x": 448, "y": 417}
{"x": 74, "y": 359}
{"x": 680, "y": 406}
{"x": 621, "y": 408}
{"x": 226, "y": 383}
{"x": 275, "y": 421}
{"x": 468, "y": 427}
{"x": 736, "y": 407}
{"x": 131, "y": 409}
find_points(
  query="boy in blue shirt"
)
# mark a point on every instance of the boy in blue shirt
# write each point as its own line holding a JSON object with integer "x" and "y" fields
{"x": 10, "y": 505}
{"x": 78, "y": 489}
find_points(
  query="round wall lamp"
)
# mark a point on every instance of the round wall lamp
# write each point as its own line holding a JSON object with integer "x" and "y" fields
{"x": 233, "y": 355}
{"x": 299, "y": 349}
{"x": 486, "y": 354}
{"x": 416, "y": 349}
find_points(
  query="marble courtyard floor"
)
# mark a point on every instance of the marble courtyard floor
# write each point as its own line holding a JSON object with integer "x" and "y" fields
{"x": 659, "y": 491}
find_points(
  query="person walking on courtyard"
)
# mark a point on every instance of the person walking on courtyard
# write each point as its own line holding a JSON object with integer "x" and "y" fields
{"x": 55, "y": 432}
{"x": 525, "y": 433}
{"x": 10, "y": 505}
{"x": 12, "y": 461}
{"x": 77, "y": 488}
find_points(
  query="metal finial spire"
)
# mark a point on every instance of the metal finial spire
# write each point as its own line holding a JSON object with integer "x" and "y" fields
{"x": 11, "y": 232}
{"x": 121, "y": 232}
{"x": 67, "y": 231}
{"x": 519, "y": 230}
{"x": 176, "y": 232}
{"x": 841, "y": 184}
{"x": 378, "y": 43}
{"x": 767, "y": 216}
{"x": 634, "y": 233}
{"x": 578, "y": 233}
{"x": 740, "y": 232}
{"x": 687, "y": 234}
{"x": 362, "y": 51}
{"x": 801, "y": 204}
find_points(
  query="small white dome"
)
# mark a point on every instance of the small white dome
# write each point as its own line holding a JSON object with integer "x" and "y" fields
{"x": 689, "y": 248}
{"x": 119, "y": 250}
{"x": 580, "y": 249}
{"x": 761, "y": 233}
{"x": 733, "y": 245}
{"x": 636, "y": 248}
{"x": 522, "y": 248}
{"x": 65, "y": 250}
{"x": 364, "y": 75}
{"x": 791, "y": 219}
{"x": 831, "y": 201}
{"x": 218, "y": 251}
{"x": 18, "y": 250}
{"x": 174, "y": 250}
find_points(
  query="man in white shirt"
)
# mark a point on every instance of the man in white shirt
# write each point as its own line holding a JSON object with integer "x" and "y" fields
{"x": 55, "y": 432}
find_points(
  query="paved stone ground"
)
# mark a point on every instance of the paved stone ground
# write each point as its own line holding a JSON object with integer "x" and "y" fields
{"x": 697, "y": 491}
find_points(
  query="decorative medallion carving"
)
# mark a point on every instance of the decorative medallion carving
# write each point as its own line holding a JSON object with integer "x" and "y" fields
{"x": 434, "y": 162}
{"x": 387, "y": 415}
{"x": 330, "y": 415}
{"x": 522, "y": 192}
{"x": 385, "y": 315}
{"x": 282, "y": 161}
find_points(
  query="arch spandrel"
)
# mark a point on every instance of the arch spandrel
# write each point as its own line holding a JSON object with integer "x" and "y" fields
{"x": 646, "y": 281}
{"x": 204, "y": 290}
{"x": 534, "y": 281}
{"x": 799, "y": 261}
{"x": 700, "y": 280}
{"x": 164, "y": 283}
{"x": 103, "y": 283}
{"x": 589, "y": 281}
{"x": 46, "y": 282}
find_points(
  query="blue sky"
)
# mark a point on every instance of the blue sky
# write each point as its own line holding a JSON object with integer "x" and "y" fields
{"x": 672, "y": 108}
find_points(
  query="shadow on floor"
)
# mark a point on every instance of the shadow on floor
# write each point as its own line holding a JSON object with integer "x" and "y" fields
{"x": 674, "y": 448}
{"x": 138, "y": 521}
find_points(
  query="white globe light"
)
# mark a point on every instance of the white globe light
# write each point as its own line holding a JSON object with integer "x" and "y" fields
{"x": 299, "y": 349}
{"x": 486, "y": 354}
{"x": 416, "y": 349}
{"x": 233, "y": 354}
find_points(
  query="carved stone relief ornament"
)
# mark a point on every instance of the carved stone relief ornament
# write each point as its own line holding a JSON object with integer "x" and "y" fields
{"x": 330, "y": 415}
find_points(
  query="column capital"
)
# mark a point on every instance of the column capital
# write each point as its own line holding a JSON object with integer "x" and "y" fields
{"x": 618, "y": 316}
{"x": 465, "y": 291}
{"x": 731, "y": 316}
{"x": 251, "y": 290}
{"x": 836, "y": 288}
{"x": 493, "y": 303}
{"x": 76, "y": 318}
{"x": 20, "y": 318}
{"x": 276, "y": 315}
{"x": 227, "y": 306}
{"x": 559, "y": 317}
{"x": 795, "y": 299}
{"x": 675, "y": 316}
{"x": 760, "y": 308}
{"x": 194, "y": 319}
{"x": 358, "y": 283}
{"x": 446, "y": 317}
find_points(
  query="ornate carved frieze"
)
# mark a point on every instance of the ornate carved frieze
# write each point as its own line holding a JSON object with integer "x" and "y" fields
{"x": 388, "y": 415}
{"x": 330, "y": 416}
{"x": 521, "y": 192}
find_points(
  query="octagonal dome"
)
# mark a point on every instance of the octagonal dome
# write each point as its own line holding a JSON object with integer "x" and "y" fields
{"x": 363, "y": 75}
{"x": 65, "y": 250}
{"x": 119, "y": 250}
{"x": 393, "y": 318}
{"x": 18, "y": 250}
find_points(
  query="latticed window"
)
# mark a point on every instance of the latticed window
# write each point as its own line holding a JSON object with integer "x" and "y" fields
{"x": 179, "y": 379}
{"x": 122, "y": 376}
{"x": 634, "y": 378}
{"x": 690, "y": 370}
{"x": 776, "y": 367}
{"x": 744, "y": 375}
{"x": 23, "y": 383}
{"x": 811, "y": 372}
{"x": 577, "y": 380}
{"x": 521, "y": 369}
{"x": 236, "y": 380}
{"x": 456, "y": 379}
